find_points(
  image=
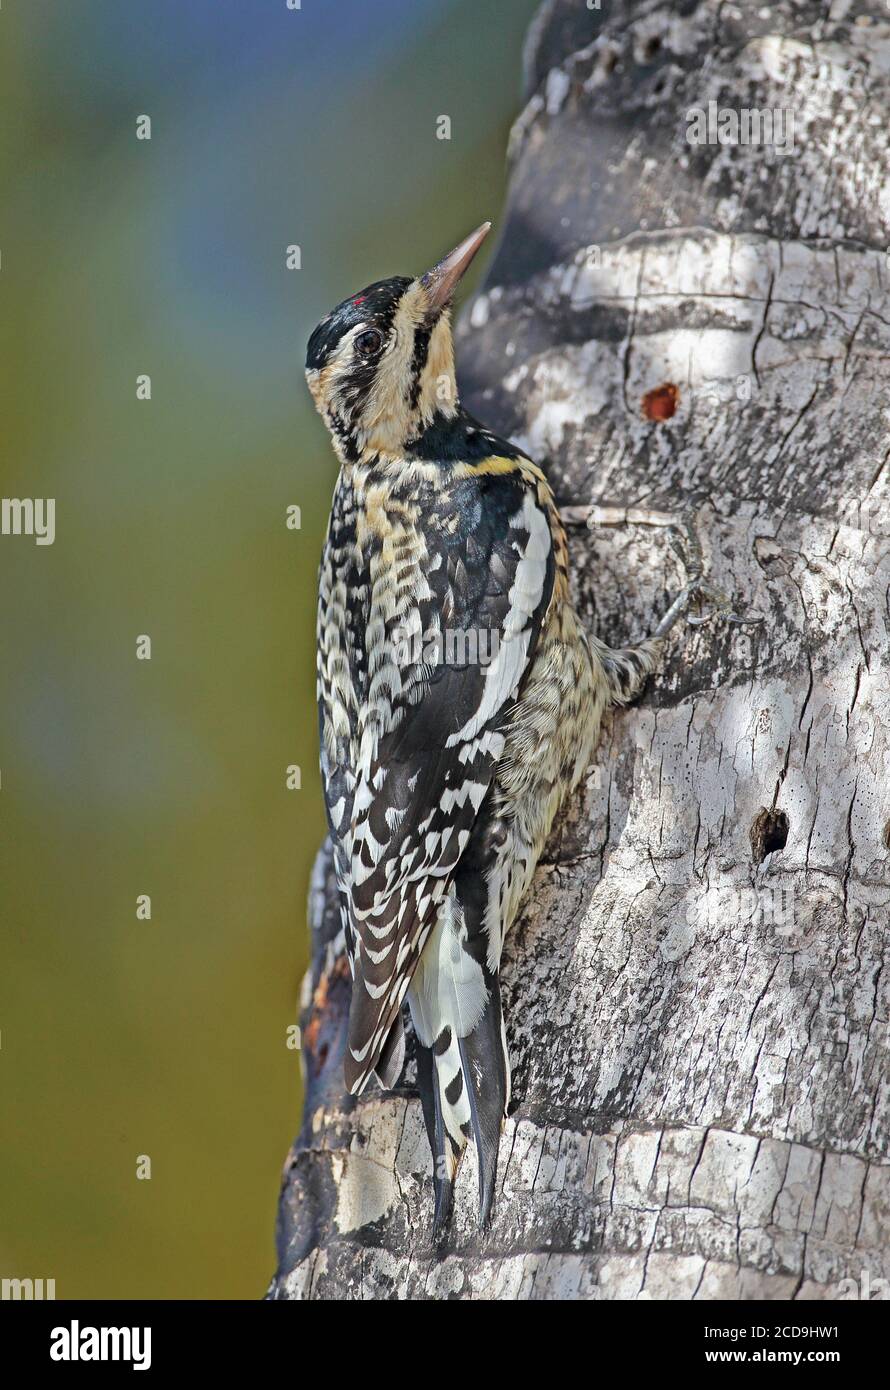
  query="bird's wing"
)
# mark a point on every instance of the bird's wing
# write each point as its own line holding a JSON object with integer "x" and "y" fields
{"x": 427, "y": 736}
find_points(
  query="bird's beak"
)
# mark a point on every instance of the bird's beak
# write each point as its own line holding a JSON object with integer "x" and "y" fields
{"x": 441, "y": 282}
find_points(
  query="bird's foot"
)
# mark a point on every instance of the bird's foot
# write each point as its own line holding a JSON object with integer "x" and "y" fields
{"x": 698, "y": 591}
{"x": 684, "y": 541}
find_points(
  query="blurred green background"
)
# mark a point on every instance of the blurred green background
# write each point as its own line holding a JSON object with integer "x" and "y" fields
{"x": 166, "y": 777}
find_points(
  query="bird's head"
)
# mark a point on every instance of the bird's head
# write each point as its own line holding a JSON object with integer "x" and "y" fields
{"x": 381, "y": 365}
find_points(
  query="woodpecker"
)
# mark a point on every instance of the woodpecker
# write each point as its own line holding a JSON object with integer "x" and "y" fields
{"x": 442, "y": 777}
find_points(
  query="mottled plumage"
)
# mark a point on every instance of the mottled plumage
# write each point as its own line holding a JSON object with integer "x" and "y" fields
{"x": 443, "y": 765}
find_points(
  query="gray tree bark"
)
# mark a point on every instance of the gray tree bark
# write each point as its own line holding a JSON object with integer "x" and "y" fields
{"x": 696, "y": 1000}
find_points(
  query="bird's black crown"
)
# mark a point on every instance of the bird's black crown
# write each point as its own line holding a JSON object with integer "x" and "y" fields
{"x": 374, "y": 306}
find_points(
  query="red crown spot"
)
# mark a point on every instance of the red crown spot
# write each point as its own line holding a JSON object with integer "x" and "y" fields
{"x": 359, "y": 299}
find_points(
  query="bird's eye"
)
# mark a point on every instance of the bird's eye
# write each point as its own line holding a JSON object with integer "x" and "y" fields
{"x": 369, "y": 342}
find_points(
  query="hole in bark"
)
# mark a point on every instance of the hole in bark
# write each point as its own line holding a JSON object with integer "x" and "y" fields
{"x": 651, "y": 48}
{"x": 886, "y": 836}
{"x": 609, "y": 61}
{"x": 769, "y": 833}
{"x": 661, "y": 402}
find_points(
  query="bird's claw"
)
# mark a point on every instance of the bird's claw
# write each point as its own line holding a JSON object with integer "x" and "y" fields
{"x": 714, "y": 604}
{"x": 685, "y": 543}
{"x": 698, "y": 590}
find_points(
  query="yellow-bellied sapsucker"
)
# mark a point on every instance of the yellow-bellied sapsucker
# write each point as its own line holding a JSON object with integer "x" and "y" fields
{"x": 459, "y": 700}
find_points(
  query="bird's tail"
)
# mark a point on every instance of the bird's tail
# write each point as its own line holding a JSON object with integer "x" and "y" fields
{"x": 464, "y": 1079}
